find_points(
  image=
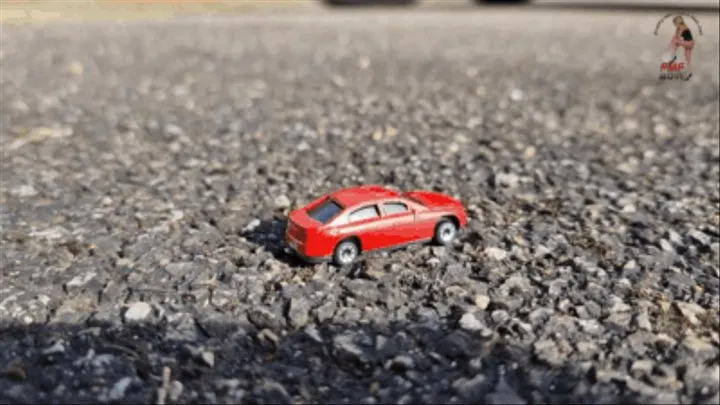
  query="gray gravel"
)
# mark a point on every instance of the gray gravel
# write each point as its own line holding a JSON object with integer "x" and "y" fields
{"x": 147, "y": 168}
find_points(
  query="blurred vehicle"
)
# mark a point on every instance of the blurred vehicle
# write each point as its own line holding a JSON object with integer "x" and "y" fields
{"x": 340, "y": 226}
{"x": 408, "y": 2}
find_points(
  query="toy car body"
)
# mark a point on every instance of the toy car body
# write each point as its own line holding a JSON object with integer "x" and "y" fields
{"x": 342, "y": 225}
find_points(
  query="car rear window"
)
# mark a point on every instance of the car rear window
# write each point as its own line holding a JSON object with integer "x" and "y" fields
{"x": 324, "y": 212}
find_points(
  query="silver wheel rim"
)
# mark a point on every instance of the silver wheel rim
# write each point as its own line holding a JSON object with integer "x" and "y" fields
{"x": 347, "y": 253}
{"x": 446, "y": 232}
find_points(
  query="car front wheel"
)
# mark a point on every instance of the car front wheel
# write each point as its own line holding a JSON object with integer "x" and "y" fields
{"x": 445, "y": 232}
{"x": 345, "y": 253}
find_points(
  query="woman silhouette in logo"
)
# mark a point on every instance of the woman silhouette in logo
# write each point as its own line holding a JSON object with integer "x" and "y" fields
{"x": 682, "y": 38}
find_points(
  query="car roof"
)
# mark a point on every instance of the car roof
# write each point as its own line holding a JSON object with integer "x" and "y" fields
{"x": 352, "y": 196}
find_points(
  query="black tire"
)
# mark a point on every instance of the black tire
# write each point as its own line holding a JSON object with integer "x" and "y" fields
{"x": 445, "y": 232}
{"x": 346, "y": 252}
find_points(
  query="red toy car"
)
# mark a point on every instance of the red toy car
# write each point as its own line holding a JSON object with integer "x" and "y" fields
{"x": 340, "y": 226}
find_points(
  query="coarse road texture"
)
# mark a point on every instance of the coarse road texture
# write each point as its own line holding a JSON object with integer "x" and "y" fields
{"x": 147, "y": 168}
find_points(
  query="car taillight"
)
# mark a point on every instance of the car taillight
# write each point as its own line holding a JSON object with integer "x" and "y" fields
{"x": 296, "y": 232}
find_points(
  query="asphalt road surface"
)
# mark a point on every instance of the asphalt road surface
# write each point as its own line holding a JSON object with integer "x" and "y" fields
{"x": 147, "y": 168}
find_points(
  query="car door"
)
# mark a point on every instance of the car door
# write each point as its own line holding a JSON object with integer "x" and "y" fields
{"x": 399, "y": 223}
{"x": 365, "y": 223}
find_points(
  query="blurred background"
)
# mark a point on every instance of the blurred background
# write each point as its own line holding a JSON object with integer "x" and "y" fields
{"x": 42, "y": 10}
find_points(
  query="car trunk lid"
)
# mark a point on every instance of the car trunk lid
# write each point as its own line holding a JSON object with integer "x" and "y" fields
{"x": 299, "y": 222}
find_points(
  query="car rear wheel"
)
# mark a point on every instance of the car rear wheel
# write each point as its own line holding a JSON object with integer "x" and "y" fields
{"x": 345, "y": 253}
{"x": 445, "y": 232}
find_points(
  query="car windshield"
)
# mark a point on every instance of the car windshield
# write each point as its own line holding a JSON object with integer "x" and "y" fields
{"x": 324, "y": 212}
{"x": 411, "y": 198}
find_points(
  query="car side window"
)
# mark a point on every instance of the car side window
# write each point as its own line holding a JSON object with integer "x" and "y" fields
{"x": 392, "y": 208}
{"x": 364, "y": 213}
{"x": 340, "y": 220}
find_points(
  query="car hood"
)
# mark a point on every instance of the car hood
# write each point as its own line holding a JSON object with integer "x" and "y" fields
{"x": 434, "y": 200}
